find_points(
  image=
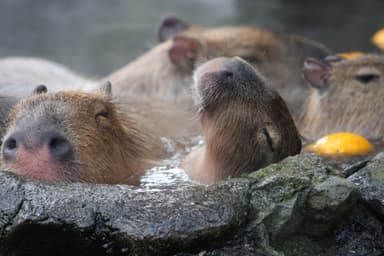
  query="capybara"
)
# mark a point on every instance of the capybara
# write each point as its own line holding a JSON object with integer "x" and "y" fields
{"x": 278, "y": 56}
{"x": 246, "y": 124}
{"x": 165, "y": 71}
{"x": 76, "y": 136}
{"x": 347, "y": 95}
{"x": 6, "y": 104}
{"x": 20, "y": 75}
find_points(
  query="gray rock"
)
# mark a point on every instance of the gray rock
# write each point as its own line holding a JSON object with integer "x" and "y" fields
{"x": 327, "y": 204}
{"x": 303, "y": 207}
{"x": 300, "y": 195}
{"x": 299, "y": 206}
{"x": 121, "y": 218}
{"x": 370, "y": 181}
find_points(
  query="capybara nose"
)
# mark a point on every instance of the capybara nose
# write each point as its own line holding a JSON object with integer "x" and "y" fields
{"x": 225, "y": 75}
{"x": 59, "y": 147}
{"x": 10, "y": 148}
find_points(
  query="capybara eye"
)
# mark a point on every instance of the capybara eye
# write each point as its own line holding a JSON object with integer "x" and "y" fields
{"x": 269, "y": 139}
{"x": 102, "y": 114}
{"x": 366, "y": 78}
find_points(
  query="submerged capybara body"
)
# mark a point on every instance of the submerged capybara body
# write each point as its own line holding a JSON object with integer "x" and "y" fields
{"x": 20, "y": 75}
{"x": 346, "y": 96}
{"x": 165, "y": 71}
{"x": 246, "y": 125}
{"x": 75, "y": 136}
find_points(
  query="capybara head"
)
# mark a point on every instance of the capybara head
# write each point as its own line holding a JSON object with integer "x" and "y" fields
{"x": 278, "y": 56}
{"x": 165, "y": 71}
{"x": 246, "y": 125}
{"x": 346, "y": 96}
{"x": 76, "y": 136}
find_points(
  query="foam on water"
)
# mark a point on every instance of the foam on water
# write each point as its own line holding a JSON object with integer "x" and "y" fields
{"x": 168, "y": 174}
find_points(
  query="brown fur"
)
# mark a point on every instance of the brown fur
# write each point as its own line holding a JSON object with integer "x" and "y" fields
{"x": 278, "y": 56}
{"x": 6, "y": 104}
{"x": 246, "y": 125}
{"x": 346, "y": 104}
{"x": 109, "y": 146}
{"x": 154, "y": 74}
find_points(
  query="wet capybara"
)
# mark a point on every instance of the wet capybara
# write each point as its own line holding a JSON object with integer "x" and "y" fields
{"x": 278, "y": 56}
{"x": 20, "y": 75}
{"x": 6, "y": 104}
{"x": 246, "y": 124}
{"x": 165, "y": 71}
{"x": 346, "y": 96}
{"x": 76, "y": 136}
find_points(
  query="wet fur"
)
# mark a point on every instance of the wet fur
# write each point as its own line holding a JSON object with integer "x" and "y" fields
{"x": 278, "y": 56}
{"x": 246, "y": 125}
{"x": 347, "y": 105}
{"x": 113, "y": 149}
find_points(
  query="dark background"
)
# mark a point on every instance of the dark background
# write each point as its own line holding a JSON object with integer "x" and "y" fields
{"x": 95, "y": 37}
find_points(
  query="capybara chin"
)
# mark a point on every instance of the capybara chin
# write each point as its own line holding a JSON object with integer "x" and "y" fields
{"x": 346, "y": 96}
{"x": 246, "y": 125}
{"x": 75, "y": 136}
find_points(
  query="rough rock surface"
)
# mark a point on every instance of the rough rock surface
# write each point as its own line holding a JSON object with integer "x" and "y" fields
{"x": 370, "y": 181}
{"x": 119, "y": 219}
{"x": 299, "y": 206}
{"x": 303, "y": 207}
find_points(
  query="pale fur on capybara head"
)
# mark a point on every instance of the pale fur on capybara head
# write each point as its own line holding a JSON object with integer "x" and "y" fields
{"x": 246, "y": 124}
{"x": 76, "y": 136}
{"x": 346, "y": 96}
{"x": 166, "y": 70}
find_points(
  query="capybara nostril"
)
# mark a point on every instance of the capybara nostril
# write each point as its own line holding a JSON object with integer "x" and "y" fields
{"x": 59, "y": 146}
{"x": 10, "y": 148}
{"x": 226, "y": 75}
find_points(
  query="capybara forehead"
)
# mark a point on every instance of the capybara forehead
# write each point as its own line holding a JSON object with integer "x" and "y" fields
{"x": 65, "y": 104}
{"x": 241, "y": 35}
{"x": 240, "y": 41}
{"x": 351, "y": 65}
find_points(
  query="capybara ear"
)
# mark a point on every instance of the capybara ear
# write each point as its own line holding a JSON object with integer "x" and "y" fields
{"x": 106, "y": 88}
{"x": 316, "y": 73}
{"x": 40, "y": 89}
{"x": 185, "y": 51}
{"x": 170, "y": 26}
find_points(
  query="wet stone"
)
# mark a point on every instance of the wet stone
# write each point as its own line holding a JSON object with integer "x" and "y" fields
{"x": 290, "y": 196}
{"x": 299, "y": 206}
{"x": 120, "y": 218}
{"x": 370, "y": 182}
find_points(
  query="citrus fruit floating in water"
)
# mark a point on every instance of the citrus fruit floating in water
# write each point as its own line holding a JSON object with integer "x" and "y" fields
{"x": 349, "y": 55}
{"x": 341, "y": 144}
{"x": 378, "y": 39}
